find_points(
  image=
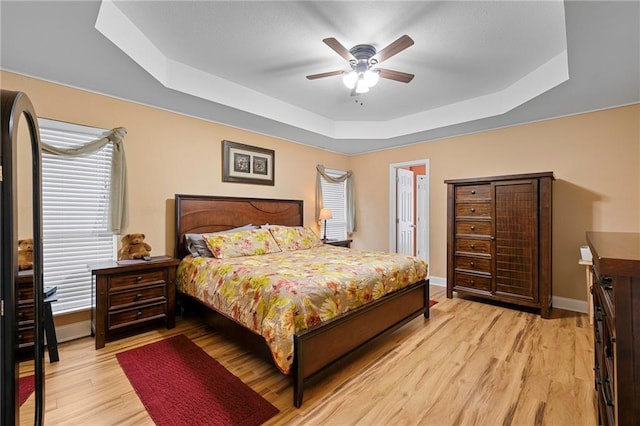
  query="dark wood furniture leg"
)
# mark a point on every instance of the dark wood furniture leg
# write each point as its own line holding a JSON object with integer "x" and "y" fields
{"x": 50, "y": 330}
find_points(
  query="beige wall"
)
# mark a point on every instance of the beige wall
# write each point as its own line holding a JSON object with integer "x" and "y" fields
{"x": 595, "y": 158}
{"x": 168, "y": 154}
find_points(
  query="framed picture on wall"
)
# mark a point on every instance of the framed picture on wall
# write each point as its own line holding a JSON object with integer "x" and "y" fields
{"x": 247, "y": 164}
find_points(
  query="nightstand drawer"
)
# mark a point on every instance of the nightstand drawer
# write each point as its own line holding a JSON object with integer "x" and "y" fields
{"x": 134, "y": 296}
{"x": 25, "y": 312}
{"x": 25, "y": 291}
{"x": 137, "y": 315}
{"x": 136, "y": 278}
{"x": 25, "y": 335}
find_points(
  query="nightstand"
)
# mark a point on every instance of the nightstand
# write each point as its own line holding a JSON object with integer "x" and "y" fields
{"x": 26, "y": 324}
{"x": 132, "y": 294}
{"x": 339, "y": 243}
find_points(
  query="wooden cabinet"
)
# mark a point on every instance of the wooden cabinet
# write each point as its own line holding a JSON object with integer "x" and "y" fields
{"x": 132, "y": 294}
{"x": 26, "y": 319}
{"x": 616, "y": 308}
{"x": 25, "y": 312}
{"x": 499, "y": 238}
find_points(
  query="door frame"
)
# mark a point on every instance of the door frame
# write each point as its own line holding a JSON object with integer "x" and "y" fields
{"x": 393, "y": 199}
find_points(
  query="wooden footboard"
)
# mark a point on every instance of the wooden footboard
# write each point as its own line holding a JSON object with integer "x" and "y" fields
{"x": 318, "y": 348}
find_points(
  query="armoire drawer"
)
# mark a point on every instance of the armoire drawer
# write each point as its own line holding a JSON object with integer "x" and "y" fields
{"x": 474, "y": 264}
{"x": 465, "y": 245}
{"x": 473, "y": 210}
{"x": 473, "y": 192}
{"x": 473, "y": 228}
{"x": 473, "y": 281}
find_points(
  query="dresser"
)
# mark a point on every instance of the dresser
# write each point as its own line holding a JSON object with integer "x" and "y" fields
{"x": 131, "y": 295}
{"x": 616, "y": 309}
{"x": 499, "y": 239}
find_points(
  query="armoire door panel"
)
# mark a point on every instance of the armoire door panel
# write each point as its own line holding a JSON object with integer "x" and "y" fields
{"x": 516, "y": 216}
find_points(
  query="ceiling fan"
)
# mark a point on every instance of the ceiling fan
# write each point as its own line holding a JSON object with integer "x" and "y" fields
{"x": 364, "y": 60}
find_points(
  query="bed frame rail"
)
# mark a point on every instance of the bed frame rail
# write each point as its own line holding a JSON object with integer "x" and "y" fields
{"x": 318, "y": 348}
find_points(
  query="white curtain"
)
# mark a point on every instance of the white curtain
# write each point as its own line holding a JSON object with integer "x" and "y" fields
{"x": 118, "y": 205}
{"x": 351, "y": 205}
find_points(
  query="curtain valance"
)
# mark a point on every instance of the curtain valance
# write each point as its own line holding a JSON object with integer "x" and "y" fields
{"x": 118, "y": 205}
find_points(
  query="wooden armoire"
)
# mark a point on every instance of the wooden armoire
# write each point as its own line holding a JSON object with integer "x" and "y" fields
{"x": 499, "y": 238}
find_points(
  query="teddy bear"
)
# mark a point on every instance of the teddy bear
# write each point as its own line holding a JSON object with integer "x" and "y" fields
{"x": 133, "y": 247}
{"x": 25, "y": 254}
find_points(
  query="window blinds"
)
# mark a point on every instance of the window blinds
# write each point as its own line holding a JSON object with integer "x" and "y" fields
{"x": 334, "y": 198}
{"x": 75, "y": 197}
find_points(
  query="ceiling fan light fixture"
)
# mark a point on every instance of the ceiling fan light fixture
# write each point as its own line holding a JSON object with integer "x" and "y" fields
{"x": 362, "y": 86}
{"x": 350, "y": 79}
{"x": 371, "y": 77}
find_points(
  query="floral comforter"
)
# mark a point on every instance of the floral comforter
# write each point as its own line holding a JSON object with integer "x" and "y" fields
{"x": 279, "y": 294}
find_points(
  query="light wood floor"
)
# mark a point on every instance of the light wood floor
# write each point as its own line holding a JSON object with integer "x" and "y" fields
{"x": 471, "y": 363}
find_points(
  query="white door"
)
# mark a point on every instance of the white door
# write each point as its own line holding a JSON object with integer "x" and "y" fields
{"x": 404, "y": 202}
{"x": 422, "y": 218}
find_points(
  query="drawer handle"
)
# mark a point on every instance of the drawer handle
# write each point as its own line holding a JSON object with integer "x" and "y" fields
{"x": 20, "y": 336}
{"x": 138, "y": 278}
{"x": 139, "y": 314}
{"x": 138, "y": 296}
{"x": 473, "y": 228}
{"x": 473, "y": 265}
{"x": 473, "y": 192}
{"x": 20, "y": 294}
{"x": 473, "y": 282}
{"x": 473, "y": 246}
{"x": 21, "y": 315}
{"x": 473, "y": 209}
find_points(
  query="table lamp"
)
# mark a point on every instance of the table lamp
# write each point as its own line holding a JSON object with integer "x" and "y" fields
{"x": 324, "y": 215}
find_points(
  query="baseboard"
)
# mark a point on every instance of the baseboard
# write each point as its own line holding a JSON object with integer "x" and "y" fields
{"x": 73, "y": 331}
{"x": 574, "y": 305}
{"x": 437, "y": 281}
{"x": 567, "y": 304}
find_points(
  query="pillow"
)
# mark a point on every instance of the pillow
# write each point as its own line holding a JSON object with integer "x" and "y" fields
{"x": 197, "y": 247}
{"x": 242, "y": 243}
{"x": 294, "y": 237}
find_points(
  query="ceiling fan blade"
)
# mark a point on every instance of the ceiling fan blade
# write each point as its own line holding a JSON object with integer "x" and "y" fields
{"x": 402, "y": 77}
{"x": 338, "y": 48}
{"x": 394, "y": 48}
{"x": 324, "y": 74}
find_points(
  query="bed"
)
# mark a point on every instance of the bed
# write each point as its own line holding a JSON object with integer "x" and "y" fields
{"x": 317, "y": 345}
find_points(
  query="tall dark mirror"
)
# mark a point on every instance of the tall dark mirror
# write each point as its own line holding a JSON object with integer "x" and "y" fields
{"x": 21, "y": 263}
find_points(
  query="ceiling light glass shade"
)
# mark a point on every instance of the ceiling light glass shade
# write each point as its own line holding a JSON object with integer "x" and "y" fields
{"x": 350, "y": 79}
{"x": 361, "y": 86}
{"x": 371, "y": 77}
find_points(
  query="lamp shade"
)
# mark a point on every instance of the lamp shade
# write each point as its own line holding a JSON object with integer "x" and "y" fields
{"x": 325, "y": 214}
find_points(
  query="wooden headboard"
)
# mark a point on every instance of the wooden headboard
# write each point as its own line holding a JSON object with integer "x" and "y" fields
{"x": 199, "y": 214}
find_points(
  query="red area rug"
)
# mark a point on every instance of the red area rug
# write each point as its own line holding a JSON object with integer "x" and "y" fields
{"x": 432, "y": 302}
{"x": 179, "y": 384}
{"x": 26, "y": 386}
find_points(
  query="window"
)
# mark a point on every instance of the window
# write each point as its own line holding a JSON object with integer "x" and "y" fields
{"x": 75, "y": 213}
{"x": 334, "y": 198}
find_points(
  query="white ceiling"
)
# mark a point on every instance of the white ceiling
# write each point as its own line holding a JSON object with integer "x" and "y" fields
{"x": 478, "y": 65}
